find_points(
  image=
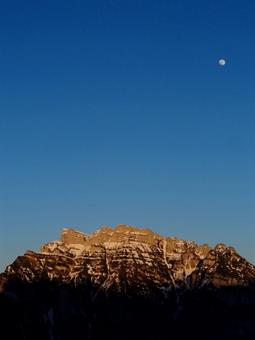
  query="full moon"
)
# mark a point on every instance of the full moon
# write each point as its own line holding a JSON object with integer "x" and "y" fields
{"x": 222, "y": 62}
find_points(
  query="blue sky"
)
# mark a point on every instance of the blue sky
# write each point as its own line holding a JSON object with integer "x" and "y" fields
{"x": 116, "y": 112}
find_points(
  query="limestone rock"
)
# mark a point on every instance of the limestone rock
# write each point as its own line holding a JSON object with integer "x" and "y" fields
{"x": 125, "y": 258}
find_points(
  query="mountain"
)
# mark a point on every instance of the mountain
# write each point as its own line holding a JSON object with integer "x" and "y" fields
{"x": 125, "y": 257}
{"x": 127, "y": 282}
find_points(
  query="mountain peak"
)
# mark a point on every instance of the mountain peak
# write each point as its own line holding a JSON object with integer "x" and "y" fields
{"x": 127, "y": 256}
{"x": 83, "y": 279}
{"x": 72, "y": 236}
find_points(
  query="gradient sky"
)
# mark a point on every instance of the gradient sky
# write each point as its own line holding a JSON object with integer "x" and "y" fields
{"x": 116, "y": 111}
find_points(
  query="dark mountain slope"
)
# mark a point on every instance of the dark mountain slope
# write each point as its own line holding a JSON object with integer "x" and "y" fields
{"x": 124, "y": 282}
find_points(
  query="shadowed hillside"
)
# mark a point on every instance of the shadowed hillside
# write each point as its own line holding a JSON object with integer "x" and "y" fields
{"x": 127, "y": 283}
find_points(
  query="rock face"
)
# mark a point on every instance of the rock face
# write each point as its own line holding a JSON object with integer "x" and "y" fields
{"x": 94, "y": 286}
{"x": 125, "y": 257}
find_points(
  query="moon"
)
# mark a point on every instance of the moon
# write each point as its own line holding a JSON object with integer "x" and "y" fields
{"x": 222, "y": 62}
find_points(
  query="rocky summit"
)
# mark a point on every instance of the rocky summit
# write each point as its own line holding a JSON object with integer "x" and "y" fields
{"x": 90, "y": 286}
{"x": 126, "y": 257}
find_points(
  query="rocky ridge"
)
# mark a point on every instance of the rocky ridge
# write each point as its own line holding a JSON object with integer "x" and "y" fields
{"x": 125, "y": 258}
{"x": 127, "y": 283}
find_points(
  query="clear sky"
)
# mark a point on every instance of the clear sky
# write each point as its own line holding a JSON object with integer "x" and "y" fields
{"x": 116, "y": 111}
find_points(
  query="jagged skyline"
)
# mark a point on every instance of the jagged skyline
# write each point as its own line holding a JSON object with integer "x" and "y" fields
{"x": 114, "y": 258}
{"x": 129, "y": 283}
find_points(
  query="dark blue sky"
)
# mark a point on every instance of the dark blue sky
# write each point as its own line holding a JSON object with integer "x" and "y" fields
{"x": 116, "y": 111}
